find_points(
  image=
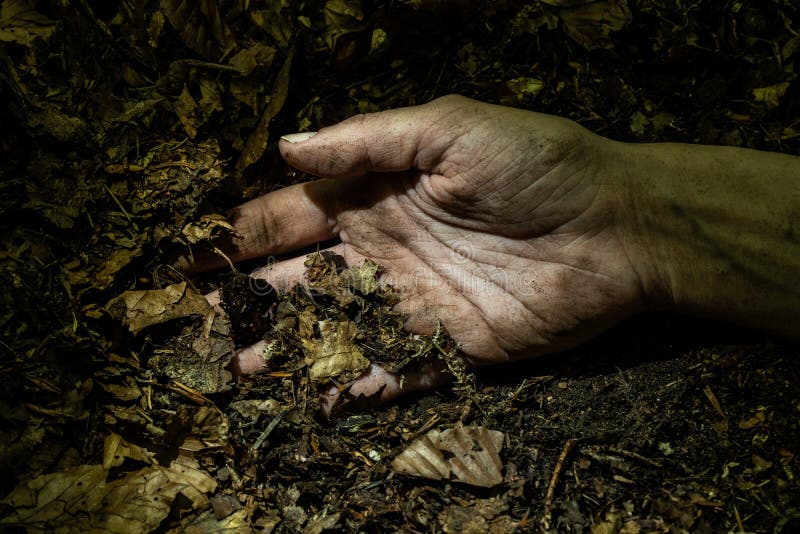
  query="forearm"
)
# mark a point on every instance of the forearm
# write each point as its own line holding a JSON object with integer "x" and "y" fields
{"x": 717, "y": 231}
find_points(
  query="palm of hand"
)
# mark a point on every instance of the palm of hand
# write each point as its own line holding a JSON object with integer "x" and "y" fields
{"x": 493, "y": 220}
{"x": 501, "y": 232}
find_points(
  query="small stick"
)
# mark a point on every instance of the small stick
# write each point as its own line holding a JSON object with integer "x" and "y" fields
{"x": 551, "y": 488}
{"x": 270, "y": 427}
{"x": 635, "y": 456}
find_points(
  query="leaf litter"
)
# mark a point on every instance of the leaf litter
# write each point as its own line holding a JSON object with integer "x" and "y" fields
{"x": 130, "y": 128}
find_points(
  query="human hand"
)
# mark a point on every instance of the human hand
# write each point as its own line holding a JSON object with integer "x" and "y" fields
{"x": 502, "y": 223}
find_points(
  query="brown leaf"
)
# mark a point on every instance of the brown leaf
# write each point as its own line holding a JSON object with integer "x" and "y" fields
{"x": 257, "y": 141}
{"x": 21, "y": 23}
{"x": 142, "y": 308}
{"x": 80, "y": 499}
{"x": 257, "y": 55}
{"x": 200, "y": 25}
{"x": 591, "y": 23}
{"x": 472, "y": 456}
{"x": 334, "y": 355}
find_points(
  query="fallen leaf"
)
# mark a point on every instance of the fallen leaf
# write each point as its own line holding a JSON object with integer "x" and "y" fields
{"x": 21, "y": 23}
{"x": 770, "y": 95}
{"x": 257, "y": 141}
{"x": 207, "y": 228}
{"x": 463, "y": 454}
{"x": 80, "y": 499}
{"x": 334, "y": 355}
{"x": 142, "y": 308}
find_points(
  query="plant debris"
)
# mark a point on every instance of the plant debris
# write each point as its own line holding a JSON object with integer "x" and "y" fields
{"x": 465, "y": 454}
{"x": 130, "y": 128}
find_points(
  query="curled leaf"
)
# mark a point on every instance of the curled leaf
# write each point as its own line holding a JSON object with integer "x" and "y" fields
{"x": 334, "y": 355}
{"x": 142, "y": 308}
{"x": 463, "y": 454}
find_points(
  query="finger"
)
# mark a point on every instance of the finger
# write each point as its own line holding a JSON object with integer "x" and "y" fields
{"x": 275, "y": 223}
{"x": 249, "y": 360}
{"x": 378, "y": 386}
{"x": 282, "y": 275}
{"x": 386, "y": 141}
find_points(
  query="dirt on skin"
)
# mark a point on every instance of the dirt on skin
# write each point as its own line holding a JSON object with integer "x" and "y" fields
{"x": 129, "y": 129}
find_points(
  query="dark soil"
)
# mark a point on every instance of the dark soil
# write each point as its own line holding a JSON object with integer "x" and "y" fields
{"x": 126, "y": 126}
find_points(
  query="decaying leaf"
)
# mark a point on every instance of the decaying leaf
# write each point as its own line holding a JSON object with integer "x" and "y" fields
{"x": 201, "y": 26}
{"x": 208, "y": 227}
{"x": 589, "y": 22}
{"x": 334, "y": 355}
{"x": 484, "y": 515}
{"x": 197, "y": 356}
{"x": 142, "y": 308}
{"x": 463, "y": 454}
{"x": 21, "y": 23}
{"x": 771, "y": 95}
{"x": 81, "y": 499}
{"x": 257, "y": 141}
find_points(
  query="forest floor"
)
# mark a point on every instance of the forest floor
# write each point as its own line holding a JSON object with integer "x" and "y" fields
{"x": 127, "y": 127}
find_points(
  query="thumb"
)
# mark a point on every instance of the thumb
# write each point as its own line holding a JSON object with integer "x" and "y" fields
{"x": 387, "y": 141}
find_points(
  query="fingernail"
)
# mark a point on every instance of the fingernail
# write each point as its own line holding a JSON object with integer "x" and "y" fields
{"x": 298, "y": 137}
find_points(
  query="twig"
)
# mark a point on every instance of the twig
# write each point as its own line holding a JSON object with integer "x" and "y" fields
{"x": 551, "y": 488}
{"x": 119, "y": 204}
{"x": 270, "y": 427}
{"x": 226, "y": 258}
{"x": 738, "y": 519}
{"x": 634, "y": 455}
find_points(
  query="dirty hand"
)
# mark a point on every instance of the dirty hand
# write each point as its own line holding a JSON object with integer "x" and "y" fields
{"x": 526, "y": 234}
{"x": 499, "y": 222}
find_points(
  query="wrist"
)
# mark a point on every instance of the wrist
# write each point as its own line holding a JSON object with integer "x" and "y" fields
{"x": 711, "y": 230}
{"x": 634, "y": 172}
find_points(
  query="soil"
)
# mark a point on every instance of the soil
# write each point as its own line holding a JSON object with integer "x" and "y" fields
{"x": 129, "y": 127}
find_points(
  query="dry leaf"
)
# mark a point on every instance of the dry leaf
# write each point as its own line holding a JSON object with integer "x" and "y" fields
{"x": 200, "y": 25}
{"x": 208, "y": 227}
{"x": 257, "y": 141}
{"x": 770, "y": 95}
{"x": 142, "y": 308}
{"x": 335, "y": 355}
{"x": 462, "y": 454}
{"x": 20, "y": 23}
{"x": 591, "y": 23}
{"x": 80, "y": 499}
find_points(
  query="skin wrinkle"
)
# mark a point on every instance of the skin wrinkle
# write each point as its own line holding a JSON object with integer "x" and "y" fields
{"x": 433, "y": 234}
{"x": 468, "y": 295}
{"x": 441, "y": 278}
